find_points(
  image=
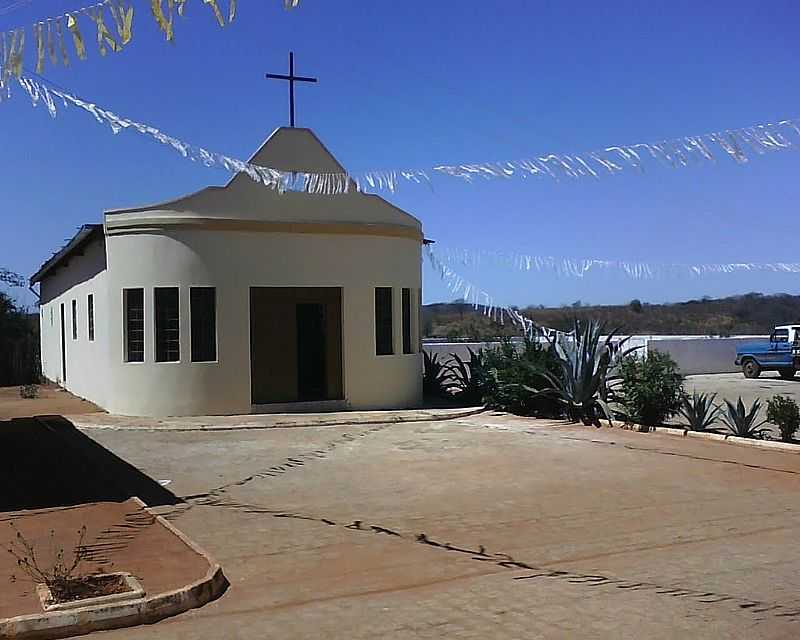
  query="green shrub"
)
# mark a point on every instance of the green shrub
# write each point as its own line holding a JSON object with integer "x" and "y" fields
{"x": 435, "y": 376}
{"x": 651, "y": 388}
{"x": 742, "y": 422}
{"x": 586, "y": 361}
{"x": 784, "y": 413}
{"x": 512, "y": 372}
{"x": 468, "y": 378}
{"x": 699, "y": 410}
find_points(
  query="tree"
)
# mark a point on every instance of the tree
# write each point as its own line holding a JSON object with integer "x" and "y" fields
{"x": 635, "y": 305}
{"x": 19, "y": 345}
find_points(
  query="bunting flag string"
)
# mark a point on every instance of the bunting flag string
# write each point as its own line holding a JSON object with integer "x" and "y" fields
{"x": 477, "y": 297}
{"x": 280, "y": 181}
{"x": 578, "y": 268}
{"x": 762, "y": 139}
{"x": 737, "y": 144}
{"x": 47, "y": 36}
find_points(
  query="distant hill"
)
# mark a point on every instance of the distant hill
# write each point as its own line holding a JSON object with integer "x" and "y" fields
{"x": 752, "y": 313}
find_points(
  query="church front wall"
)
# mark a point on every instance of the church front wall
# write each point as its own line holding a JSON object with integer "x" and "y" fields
{"x": 232, "y": 262}
{"x": 87, "y": 360}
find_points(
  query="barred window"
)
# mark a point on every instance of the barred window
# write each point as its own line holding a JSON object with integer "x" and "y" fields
{"x": 167, "y": 324}
{"x": 407, "y": 348}
{"x": 74, "y": 319}
{"x": 203, "y": 302}
{"x": 90, "y": 315}
{"x": 133, "y": 303}
{"x": 383, "y": 321}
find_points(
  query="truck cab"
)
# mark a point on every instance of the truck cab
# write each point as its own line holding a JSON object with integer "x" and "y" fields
{"x": 780, "y": 353}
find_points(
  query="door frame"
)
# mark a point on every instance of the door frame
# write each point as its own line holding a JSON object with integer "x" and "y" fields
{"x": 338, "y": 402}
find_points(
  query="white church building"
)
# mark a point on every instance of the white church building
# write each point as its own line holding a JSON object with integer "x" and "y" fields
{"x": 240, "y": 299}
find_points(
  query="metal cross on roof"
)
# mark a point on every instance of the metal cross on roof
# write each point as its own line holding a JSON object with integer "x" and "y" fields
{"x": 292, "y": 79}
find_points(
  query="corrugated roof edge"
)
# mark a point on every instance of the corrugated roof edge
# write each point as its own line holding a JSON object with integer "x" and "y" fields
{"x": 86, "y": 233}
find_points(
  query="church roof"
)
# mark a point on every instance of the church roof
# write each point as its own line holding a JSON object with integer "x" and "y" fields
{"x": 242, "y": 200}
{"x": 74, "y": 246}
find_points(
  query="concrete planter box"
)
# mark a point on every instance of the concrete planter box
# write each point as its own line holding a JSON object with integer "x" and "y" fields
{"x": 134, "y": 590}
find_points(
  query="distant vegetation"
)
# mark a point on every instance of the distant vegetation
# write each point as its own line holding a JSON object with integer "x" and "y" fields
{"x": 19, "y": 344}
{"x": 753, "y": 313}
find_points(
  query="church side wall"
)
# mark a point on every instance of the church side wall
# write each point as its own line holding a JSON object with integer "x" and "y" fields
{"x": 86, "y": 360}
{"x": 232, "y": 262}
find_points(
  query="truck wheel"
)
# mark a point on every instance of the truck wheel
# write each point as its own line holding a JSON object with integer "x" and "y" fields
{"x": 786, "y": 374}
{"x": 751, "y": 369}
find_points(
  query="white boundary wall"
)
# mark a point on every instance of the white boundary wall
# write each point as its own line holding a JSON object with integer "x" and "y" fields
{"x": 693, "y": 354}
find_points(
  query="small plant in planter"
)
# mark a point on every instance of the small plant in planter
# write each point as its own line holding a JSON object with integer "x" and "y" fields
{"x": 60, "y": 583}
{"x": 699, "y": 411}
{"x": 743, "y": 422}
{"x": 784, "y": 413}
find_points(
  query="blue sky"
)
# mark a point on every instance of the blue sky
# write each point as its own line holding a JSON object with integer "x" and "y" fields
{"x": 418, "y": 83}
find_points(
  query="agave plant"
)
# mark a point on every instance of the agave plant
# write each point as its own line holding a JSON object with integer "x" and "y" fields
{"x": 742, "y": 422}
{"x": 468, "y": 377}
{"x": 699, "y": 410}
{"x": 584, "y": 359}
{"x": 436, "y": 376}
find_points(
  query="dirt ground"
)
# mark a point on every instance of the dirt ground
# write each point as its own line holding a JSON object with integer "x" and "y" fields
{"x": 51, "y": 401}
{"x": 119, "y": 537}
{"x": 482, "y": 527}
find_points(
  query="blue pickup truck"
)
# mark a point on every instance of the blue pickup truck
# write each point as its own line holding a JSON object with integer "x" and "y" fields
{"x": 780, "y": 353}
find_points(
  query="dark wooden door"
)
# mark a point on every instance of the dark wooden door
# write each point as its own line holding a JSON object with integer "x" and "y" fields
{"x": 295, "y": 344}
{"x": 311, "y": 353}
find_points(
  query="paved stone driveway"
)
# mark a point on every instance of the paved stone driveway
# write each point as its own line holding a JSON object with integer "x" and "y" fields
{"x": 530, "y": 529}
{"x": 733, "y": 385}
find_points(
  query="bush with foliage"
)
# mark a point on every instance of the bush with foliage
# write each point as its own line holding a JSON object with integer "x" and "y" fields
{"x": 589, "y": 359}
{"x": 650, "y": 388}
{"x": 19, "y": 345}
{"x": 785, "y": 414}
{"x": 699, "y": 411}
{"x": 515, "y": 374}
{"x": 435, "y": 376}
{"x": 468, "y": 378}
{"x": 743, "y": 422}
{"x": 586, "y": 361}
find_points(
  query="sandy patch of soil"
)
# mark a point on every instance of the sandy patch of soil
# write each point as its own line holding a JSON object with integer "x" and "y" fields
{"x": 52, "y": 400}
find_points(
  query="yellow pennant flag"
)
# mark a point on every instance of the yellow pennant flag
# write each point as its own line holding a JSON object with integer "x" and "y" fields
{"x": 16, "y": 53}
{"x": 103, "y": 34}
{"x": 61, "y": 44}
{"x": 77, "y": 38}
{"x": 217, "y": 13}
{"x": 39, "y": 35}
{"x": 51, "y": 49}
{"x": 123, "y": 18}
{"x": 163, "y": 24}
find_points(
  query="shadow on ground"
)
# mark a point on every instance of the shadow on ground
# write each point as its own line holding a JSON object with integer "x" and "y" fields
{"x": 46, "y": 462}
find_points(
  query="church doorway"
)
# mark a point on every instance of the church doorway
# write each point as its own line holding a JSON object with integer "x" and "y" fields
{"x": 295, "y": 344}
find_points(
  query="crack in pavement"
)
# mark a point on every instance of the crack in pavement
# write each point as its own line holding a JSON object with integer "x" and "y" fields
{"x": 297, "y": 460}
{"x": 507, "y": 561}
